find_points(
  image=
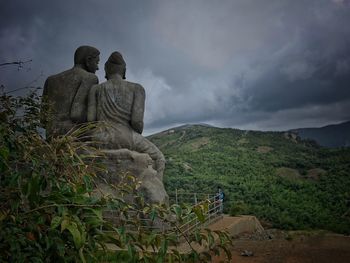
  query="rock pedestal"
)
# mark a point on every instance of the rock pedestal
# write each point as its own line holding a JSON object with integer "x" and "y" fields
{"x": 125, "y": 162}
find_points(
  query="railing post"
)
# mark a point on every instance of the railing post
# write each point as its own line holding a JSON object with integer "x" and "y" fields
{"x": 195, "y": 198}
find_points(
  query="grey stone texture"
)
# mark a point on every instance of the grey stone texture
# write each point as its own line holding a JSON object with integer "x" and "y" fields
{"x": 120, "y": 104}
{"x": 124, "y": 162}
{"x": 71, "y": 85}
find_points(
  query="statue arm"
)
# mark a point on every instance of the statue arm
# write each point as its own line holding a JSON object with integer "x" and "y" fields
{"x": 138, "y": 109}
{"x": 92, "y": 104}
{"x": 79, "y": 104}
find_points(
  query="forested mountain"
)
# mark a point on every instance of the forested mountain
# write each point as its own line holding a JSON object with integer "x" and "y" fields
{"x": 336, "y": 135}
{"x": 286, "y": 182}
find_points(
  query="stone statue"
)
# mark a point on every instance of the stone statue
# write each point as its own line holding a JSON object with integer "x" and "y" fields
{"x": 71, "y": 85}
{"x": 120, "y": 105}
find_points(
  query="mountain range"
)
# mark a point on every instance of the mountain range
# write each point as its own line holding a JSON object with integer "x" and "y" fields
{"x": 336, "y": 135}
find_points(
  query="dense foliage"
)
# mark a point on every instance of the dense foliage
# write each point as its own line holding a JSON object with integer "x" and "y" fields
{"x": 284, "y": 181}
{"x": 48, "y": 212}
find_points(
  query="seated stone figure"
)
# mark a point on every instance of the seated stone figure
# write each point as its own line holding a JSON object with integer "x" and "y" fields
{"x": 120, "y": 104}
{"x": 71, "y": 85}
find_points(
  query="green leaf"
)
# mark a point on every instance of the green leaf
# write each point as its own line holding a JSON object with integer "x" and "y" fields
{"x": 131, "y": 252}
{"x": 4, "y": 152}
{"x": 199, "y": 213}
{"x": 164, "y": 246}
{"x": 81, "y": 255}
{"x": 177, "y": 254}
{"x": 198, "y": 237}
{"x": 153, "y": 214}
{"x": 210, "y": 239}
{"x": 151, "y": 238}
{"x": 178, "y": 211}
{"x": 33, "y": 188}
{"x": 55, "y": 222}
{"x": 146, "y": 210}
{"x": 64, "y": 224}
{"x": 77, "y": 238}
{"x": 160, "y": 258}
{"x": 97, "y": 212}
{"x": 227, "y": 251}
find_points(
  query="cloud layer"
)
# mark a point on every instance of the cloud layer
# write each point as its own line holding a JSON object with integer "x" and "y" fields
{"x": 268, "y": 65}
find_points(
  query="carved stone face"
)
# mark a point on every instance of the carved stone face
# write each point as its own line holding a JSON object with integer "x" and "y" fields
{"x": 92, "y": 63}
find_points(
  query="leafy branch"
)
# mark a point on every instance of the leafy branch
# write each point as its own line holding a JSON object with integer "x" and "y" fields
{"x": 49, "y": 211}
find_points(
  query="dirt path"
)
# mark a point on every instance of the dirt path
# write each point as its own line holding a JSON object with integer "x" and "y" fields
{"x": 292, "y": 247}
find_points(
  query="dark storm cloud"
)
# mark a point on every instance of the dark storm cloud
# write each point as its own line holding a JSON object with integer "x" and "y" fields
{"x": 303, "y": 65}
{"x": 313, "y": 68}
{"x": 51, "y": 31}
{"x": 250, "y": 64}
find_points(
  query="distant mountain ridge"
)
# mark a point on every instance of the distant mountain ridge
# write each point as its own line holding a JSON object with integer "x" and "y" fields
{"x": 333, "y": 136}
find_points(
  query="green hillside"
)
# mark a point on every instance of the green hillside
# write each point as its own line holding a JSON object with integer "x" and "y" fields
{"x": 289, "y": 183}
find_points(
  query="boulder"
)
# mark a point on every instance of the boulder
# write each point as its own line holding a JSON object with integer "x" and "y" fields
{"x": 122, "y": 162}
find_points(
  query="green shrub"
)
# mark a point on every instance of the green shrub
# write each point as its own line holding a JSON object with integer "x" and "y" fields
{"x": 49, "y": 214}
{"x": 238, "y": 208}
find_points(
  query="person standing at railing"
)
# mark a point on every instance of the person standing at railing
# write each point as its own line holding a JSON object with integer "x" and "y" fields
{"x": 219, "y": 198}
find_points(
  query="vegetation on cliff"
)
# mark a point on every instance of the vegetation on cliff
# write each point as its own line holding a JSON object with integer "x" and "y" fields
{"x": 284, "y": 181}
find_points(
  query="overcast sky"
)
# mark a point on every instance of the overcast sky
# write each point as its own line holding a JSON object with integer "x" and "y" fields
{"x": 248, "y": 64}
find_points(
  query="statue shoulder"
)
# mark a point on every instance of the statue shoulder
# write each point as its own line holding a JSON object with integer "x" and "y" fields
{"x": 137, "y": 87}
{"x": 51, "y": 81}
{"x": 90, "y": 77}
{"x": 59, "y": 75}
{"x": 71, "y": 75}
{"x": 102, "y": 87}
{"x": 99, "y": 86}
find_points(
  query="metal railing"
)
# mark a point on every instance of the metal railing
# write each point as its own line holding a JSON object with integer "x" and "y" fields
{"x": 212, "y": 212}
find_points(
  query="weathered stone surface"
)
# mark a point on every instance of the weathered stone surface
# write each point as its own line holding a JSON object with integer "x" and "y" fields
{"x": 119, "y": 106}
{"x": 62, "y": 89}
{"x": 125, "y": 162}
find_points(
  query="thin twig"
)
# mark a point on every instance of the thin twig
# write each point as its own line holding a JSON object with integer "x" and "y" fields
{"x": 57, "y": 205}
{"x": 12, "y": 91}
{"x": 19, "y": 63}
{"x": 184, "y": 235}
{"x": 27, "y": 86}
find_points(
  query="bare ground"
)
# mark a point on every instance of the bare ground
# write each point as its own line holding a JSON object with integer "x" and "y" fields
{"x": 290, "y": 247}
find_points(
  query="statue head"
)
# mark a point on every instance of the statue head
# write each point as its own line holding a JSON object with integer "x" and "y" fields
{"x": 87, "y": 58}
{"x": 115, "y": 65}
